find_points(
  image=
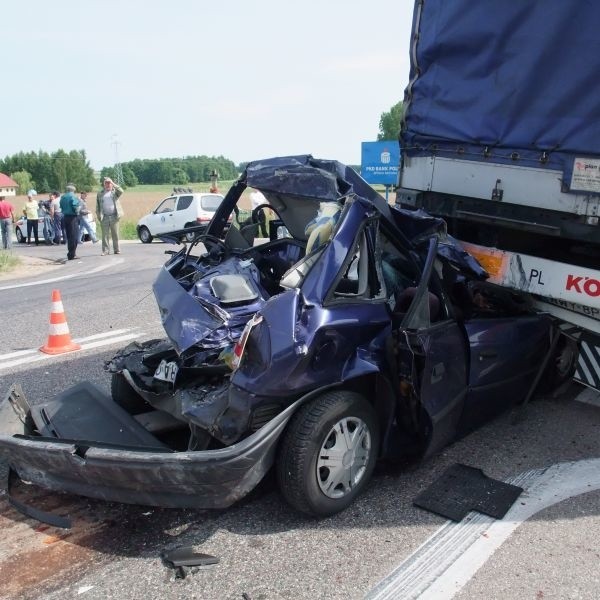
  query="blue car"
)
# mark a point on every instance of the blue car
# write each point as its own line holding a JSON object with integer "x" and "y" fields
{"x": 357, "y": 331}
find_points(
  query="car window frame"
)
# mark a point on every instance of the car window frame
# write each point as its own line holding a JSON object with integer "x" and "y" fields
{"x": 373, "y": 269}
{"x": 157, "y": 210}
{"x": 184, "y": 197}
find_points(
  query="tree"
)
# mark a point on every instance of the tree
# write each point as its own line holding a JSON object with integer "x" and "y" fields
{"x": 179, "y": 177}
{"x": 23, "y": 180}
{"x": 129, "y": 178}
{"x": 52, "y": 171}
{"x": 390, "y": 122}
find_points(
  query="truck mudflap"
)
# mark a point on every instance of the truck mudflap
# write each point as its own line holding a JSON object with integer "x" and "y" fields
{"x": 137, "y": 475}
{"x": 588, "y": 363}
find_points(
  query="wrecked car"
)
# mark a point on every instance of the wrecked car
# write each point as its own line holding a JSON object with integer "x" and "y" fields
{"x": 356, "y": 331}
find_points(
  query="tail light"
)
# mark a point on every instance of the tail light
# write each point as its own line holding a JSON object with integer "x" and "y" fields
{"x": 240, "y": 345}
{"x": 202, "y": 219}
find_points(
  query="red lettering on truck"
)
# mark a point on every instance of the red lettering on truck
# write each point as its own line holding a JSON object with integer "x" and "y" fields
{"x": 583, "y": 285}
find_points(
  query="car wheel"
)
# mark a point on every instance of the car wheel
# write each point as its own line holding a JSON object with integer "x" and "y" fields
{"x": 20, "y": 236}
{"x": 328, "y": 453}
{"x": 125, "y": 396}
{"x": 144, "y": 235}
{"x": 561, "y": 366}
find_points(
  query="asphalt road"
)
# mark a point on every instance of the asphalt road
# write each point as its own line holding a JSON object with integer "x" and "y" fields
{"x": 266, "y": 550}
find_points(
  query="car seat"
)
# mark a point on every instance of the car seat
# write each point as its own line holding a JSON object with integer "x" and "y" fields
{"x": 320, "y": 228}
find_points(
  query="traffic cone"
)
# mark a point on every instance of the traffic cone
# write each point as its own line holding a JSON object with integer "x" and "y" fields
{"x": 59, "y": 338}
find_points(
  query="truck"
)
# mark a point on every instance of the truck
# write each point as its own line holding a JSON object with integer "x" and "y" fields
{"x": 501, "y": 138}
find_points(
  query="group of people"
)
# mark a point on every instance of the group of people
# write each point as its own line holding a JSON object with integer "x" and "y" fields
{"x": 64, "y": 218}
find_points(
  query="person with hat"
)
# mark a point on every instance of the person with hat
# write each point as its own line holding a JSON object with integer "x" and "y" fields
{"x": 69, "y": 205}
{"x": 7, "y": 218}
{"x": 108, "y": 212}
{"x": 31, "y": 212}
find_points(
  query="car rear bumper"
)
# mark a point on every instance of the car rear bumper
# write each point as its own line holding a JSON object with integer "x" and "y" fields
{"x": 201, "y": 479}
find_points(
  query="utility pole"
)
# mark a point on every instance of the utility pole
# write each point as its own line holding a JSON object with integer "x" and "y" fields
{"x": 118, "y": 170}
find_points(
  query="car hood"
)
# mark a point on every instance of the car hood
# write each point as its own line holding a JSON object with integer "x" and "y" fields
{"x": 214, "y": 309}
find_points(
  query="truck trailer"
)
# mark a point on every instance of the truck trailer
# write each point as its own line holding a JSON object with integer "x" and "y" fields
{"x": 501, "y": 138}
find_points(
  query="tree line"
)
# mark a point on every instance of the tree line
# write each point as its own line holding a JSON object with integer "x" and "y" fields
{"x": 177, "y": 171}
{"x": 45, "y": 171}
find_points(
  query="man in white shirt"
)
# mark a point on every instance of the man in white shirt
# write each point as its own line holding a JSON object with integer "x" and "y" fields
{"x": 108, "y": 212}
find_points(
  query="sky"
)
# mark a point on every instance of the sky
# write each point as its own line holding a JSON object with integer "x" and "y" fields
{"x": 243, "y": 79}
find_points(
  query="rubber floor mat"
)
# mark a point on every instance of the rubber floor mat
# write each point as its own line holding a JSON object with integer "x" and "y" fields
{"x": 462, "y": 489}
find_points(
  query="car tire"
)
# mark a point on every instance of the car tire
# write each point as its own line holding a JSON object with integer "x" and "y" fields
{"x": 307, "y": 477}
{"x": 145, "y": 235}
{"x": 189, "y": 237}
{"x": 20, "y": 237}
{"x": 562, "y": 365}
{"x": 125, "y": 396}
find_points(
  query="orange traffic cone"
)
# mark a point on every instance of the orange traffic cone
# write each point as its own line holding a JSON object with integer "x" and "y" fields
{"x": 59, "y": 338}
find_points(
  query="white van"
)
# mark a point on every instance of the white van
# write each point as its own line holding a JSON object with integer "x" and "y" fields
{"x": 178, "y": 212}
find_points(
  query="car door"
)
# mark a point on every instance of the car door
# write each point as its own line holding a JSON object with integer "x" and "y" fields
{"x": 183, "y": 214}
{"x": 162, "y": 220}
{"x": 432, "y": 355}
{"x": 506, "y": 353}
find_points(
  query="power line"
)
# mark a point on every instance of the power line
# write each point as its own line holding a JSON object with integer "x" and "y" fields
{"x": 118, "y": 170}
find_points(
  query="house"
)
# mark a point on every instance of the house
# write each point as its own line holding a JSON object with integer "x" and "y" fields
{"x": 8, "y": 187}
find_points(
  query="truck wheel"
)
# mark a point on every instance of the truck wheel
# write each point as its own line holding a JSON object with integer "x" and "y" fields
{"x": 20, "y": 236}
{"x": 144, "y": 235}
{"x": 328, "y": 453}
{"x": 125, "y": 396}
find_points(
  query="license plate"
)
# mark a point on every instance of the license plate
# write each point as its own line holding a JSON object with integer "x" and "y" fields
{"x": 166, "y": 371}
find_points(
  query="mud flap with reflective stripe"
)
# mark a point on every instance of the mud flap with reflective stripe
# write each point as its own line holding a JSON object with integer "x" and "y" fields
{"x": 588, "y": 364}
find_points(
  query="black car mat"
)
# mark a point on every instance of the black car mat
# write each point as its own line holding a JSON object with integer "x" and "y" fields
{"x": 462, "y": 489}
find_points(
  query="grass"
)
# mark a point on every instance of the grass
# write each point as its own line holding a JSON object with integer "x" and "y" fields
{"x": 127, "y": 230}
{"x": 8, "y": 261}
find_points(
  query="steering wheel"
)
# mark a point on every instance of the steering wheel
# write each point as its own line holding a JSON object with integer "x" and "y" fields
{"x": 217, "y": 245}
{"x": 254, "y": 216}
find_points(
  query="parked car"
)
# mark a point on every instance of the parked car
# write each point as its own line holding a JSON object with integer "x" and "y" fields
{"x": 21, "y": 229}
{"x": 176, "y": 212}
{"x": 367, "y": 333}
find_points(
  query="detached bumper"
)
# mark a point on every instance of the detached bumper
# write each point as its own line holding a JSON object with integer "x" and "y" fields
{"x": 202, "y": 479}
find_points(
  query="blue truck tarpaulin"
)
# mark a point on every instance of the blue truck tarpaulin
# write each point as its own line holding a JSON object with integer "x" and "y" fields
{"x": 505, "y": 82}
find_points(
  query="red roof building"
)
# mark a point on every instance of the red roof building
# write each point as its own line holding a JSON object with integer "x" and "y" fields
{"x": 8, "y": 187}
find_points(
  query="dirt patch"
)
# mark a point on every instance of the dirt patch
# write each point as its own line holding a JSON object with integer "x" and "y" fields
{"x": 30, "y": 266}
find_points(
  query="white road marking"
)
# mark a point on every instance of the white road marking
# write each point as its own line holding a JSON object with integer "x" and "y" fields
{"x": 112, "y": 263}
{"x": 589, "y": 396}
{"x": 446, "y": 562}
{"x": 93, "y": 341}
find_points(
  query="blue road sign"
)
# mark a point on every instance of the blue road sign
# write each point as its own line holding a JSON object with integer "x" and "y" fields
{"x": 380, "y": 161}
